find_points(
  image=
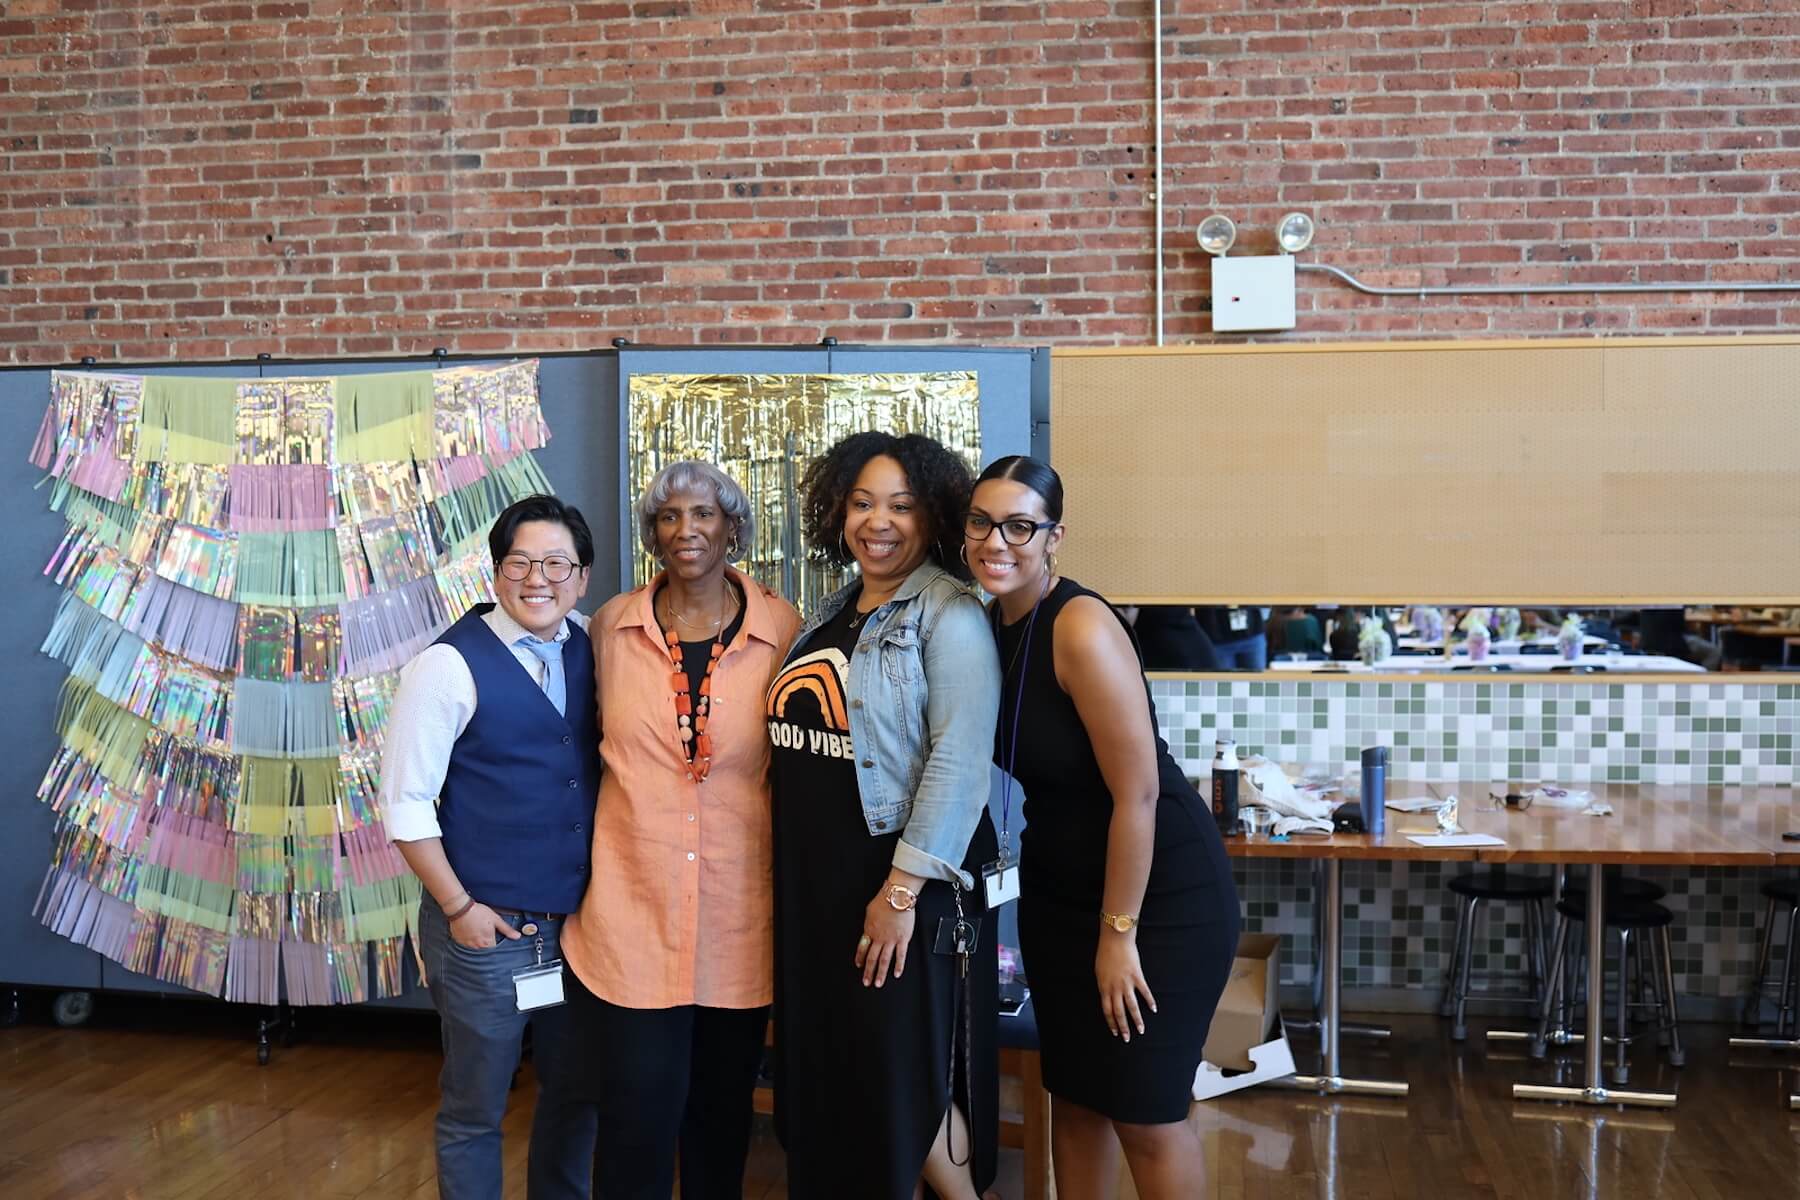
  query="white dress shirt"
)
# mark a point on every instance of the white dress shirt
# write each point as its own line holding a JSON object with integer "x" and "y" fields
{"x": 433, "y": 706}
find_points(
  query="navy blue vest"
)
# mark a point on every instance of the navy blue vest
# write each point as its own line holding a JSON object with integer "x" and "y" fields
{"x": 517, "y": 805}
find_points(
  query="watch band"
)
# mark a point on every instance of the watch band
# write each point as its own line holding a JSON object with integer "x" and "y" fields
{"x": 1119, "y": 922}
{"x": 894, "y": 893}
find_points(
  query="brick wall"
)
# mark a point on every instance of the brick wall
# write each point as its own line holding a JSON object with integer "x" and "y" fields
{"x": 384, "y": 176}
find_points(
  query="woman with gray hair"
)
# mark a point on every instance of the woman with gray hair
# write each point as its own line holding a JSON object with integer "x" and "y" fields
{"x": 670, "y": 960}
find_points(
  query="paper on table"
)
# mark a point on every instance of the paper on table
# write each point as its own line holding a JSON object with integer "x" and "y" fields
{"x": 1415, "y": 804}
{"x": 1447, "y": 840}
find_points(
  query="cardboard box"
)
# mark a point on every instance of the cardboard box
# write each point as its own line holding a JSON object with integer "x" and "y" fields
{"x": 1246, "y": 1034}
{"x": 1246, "y": 1012}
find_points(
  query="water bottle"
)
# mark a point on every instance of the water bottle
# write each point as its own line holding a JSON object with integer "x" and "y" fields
{"x": 1225, "y": 785}
{"x": 1374, "y": 789}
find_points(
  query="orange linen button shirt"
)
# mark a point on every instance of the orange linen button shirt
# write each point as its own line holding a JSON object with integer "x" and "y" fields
{"x": 680, "y": 903}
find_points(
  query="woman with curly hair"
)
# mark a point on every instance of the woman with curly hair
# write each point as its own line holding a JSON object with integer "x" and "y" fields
{"x": 882, "y": 723}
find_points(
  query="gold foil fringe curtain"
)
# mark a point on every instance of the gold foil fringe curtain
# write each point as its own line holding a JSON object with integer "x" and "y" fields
{"x": 763, "y": 431}
{"x": 247, "y": 565}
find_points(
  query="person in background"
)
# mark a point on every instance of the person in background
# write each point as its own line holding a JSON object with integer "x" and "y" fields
{"x": 1128, "y": 917}
{"x": 1298, "y": 633}
{"x": 882, "y": 719}
{"x": 670, "y": 958}
{"x": 1170, "y": 638}
{"x": 1238, "y": 637}
{"x": 488, "y": 776}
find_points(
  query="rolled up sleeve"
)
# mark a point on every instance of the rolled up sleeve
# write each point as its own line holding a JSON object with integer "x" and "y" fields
{"x": 431, "y": 709}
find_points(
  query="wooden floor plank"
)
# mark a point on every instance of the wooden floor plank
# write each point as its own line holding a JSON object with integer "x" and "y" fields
{"x": 173, "y": 1105}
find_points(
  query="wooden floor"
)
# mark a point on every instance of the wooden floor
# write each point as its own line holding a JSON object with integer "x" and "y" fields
{"x": 168, "y": 1101}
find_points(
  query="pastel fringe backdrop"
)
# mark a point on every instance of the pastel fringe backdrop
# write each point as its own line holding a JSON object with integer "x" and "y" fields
{"x": 248, "y": 563}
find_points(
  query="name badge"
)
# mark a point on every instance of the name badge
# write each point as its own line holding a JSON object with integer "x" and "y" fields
{"x": 1240, "y": 620}
{"x": 1000, "y": 881}
{"x": 539, "y": 986}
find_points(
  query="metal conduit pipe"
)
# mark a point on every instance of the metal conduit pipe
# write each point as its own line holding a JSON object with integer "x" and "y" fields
{"x": 1156, "y": 179}
{"x": 1558, "y": 289}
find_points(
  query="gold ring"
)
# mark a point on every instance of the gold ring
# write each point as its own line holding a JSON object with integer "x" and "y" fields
{"x": 863, "y": 942}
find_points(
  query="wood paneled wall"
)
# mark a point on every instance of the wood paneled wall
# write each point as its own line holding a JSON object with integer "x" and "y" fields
{"x": 1590, "y": 472}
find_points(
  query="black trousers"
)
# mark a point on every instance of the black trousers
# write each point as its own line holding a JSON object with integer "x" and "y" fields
{"x": 666, "y": 1084}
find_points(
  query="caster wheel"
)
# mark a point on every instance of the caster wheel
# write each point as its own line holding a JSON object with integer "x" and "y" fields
{"x": 1537, "y": 1048}
{"x": 1459, "y": 1033}
{"x": 1621, "y": 1078}
{"x": 1678, "y": 1058}
{"x": 262, "y": 1056}
{"x": 70, "y": 1009}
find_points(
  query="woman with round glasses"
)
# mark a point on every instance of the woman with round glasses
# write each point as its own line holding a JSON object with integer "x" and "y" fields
{"x": 1128, "y": 918}
{"x": 671, "y": 956}
{"x": 886, "y": 1070}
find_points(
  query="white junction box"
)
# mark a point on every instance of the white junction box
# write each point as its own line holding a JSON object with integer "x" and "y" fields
{"x": 1255, "y": 292}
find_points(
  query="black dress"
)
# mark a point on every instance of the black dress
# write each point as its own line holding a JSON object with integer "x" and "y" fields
{"x": 1188, "y": 926}
{"x": 862, "y": 1075}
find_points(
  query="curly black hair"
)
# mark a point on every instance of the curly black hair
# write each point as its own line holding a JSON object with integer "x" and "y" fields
{"x": 941, "y": 483}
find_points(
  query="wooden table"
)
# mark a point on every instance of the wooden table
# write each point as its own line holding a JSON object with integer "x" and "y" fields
{"x": 1332, "y": 852}
{"x": 1651, "y": 825}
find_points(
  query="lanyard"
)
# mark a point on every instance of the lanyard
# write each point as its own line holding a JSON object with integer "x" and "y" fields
{"x": 1022, "y": 659}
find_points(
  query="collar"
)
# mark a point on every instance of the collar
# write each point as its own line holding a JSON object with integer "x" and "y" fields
{"x": 922, "y": 577}
{"x": 510, "y": 631}
{"x": 758, "y": 622}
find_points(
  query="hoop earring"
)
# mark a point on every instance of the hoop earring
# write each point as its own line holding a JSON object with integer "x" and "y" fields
{"x": 963, "y": 553}
{"x": 733, "y": 551}
{"x": 844, "y": 546}
{"x": 1050, "y": 564}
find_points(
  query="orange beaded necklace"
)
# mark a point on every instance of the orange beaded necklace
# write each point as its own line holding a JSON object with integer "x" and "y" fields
{"x": 690, "y": 719}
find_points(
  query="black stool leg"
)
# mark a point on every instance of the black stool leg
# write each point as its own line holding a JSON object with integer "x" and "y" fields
{"x": 1753, "y": 1002}
{"x": 1790, "y": 977}
{"x": 1459, "y": 1028}
{"x": 1621, "y": 1031}
{"x": 1554, "y": 992}
{"x": 1447, "y": 1006}
{"x": 1666, "y": 958}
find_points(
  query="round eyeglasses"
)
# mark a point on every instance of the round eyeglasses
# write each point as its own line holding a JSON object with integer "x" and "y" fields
{"x": 1014, "y": 531}
{"x": 556, "y": 568}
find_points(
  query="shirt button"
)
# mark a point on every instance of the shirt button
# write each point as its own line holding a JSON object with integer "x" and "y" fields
{"x": 690, "y": 816}
{"x": 567, "y": 739}
{"x": 881, "y": 824}
{"x": 690, "y": 856}
{"x": 584, "y": 867}
{"x": 856, "y": 704}
{"x": 867, "y": 762}
{"x": 573, "y": 785}
{"x": 576, "y": 827}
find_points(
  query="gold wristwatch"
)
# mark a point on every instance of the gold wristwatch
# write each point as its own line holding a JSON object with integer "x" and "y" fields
{"x": 901, "y": 898}
{"x": 1119, "y": 922}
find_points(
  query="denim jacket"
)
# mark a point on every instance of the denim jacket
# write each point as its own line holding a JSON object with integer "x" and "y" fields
{"x": 924, "y": 695}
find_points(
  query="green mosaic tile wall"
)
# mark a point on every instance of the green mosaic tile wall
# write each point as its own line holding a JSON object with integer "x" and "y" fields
{"x": 1398, "y": 918}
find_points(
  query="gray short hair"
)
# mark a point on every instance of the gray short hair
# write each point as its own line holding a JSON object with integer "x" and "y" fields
{"x": 695, "y": 476}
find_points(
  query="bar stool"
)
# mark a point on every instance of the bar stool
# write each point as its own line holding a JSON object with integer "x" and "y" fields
{"x": 1473, "y": 890}
{"x": 1780, "y": 893}
{"x": 1628, "y": 917}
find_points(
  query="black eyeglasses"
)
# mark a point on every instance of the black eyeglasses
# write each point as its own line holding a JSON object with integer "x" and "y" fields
{"x": 1014, "y": 531}
{"x": 1518, "y": 801}
{"x": 556, "y": 568}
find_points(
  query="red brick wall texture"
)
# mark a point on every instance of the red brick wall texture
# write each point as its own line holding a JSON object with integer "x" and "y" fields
{"x": 349, "y": 177}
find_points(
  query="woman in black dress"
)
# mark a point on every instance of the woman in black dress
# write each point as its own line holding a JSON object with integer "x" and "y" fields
{"x": 886, "y": 1069}
{"x": 1127, "y": 915}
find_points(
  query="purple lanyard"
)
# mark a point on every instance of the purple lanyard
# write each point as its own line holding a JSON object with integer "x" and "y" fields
{"x": 1023, "y": 659}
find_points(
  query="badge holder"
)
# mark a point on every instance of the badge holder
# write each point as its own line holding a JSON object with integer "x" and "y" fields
{"x": 540, "y": 984}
